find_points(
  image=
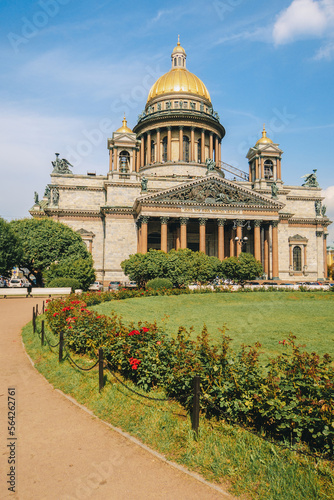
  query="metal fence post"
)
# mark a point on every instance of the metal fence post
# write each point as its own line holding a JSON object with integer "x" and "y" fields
{"x": 43, "y": 307}
{"x": 61, "y": 341}
{"x": 33, "y": 320}
{"x": 36, "y": 309}
{"x": 101, "y": 379}
{"x": 195, "y": 409}
{"x": 42, "y": 333}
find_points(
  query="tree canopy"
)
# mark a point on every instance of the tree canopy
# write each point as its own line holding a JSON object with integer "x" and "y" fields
{"x": 52, "y": 247}
{"x": 10, "y": 249}
{"x": 179, "y": 266}
{"x": 184, "y": 266}
{"x": 242, "y": 268}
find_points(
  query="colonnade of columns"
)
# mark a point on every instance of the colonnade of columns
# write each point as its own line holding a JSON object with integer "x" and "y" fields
{"x": 205, "y": 139}
{"x": 230, "y": 241}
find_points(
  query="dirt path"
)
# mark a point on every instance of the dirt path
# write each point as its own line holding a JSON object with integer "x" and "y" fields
{"x": 62, "y": 452}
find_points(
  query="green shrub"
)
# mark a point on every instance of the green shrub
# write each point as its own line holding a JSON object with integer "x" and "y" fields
{"x": 159, "y": 284}
{"x": 290, "y": 399}
{"x": 65, "y": 282}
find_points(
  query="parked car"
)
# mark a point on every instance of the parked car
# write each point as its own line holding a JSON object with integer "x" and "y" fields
{"x": 96, "y": 287}
{"x": 130, "y": 284}
{"x": 114, "y": 285}
{"x": 16, "y": 283}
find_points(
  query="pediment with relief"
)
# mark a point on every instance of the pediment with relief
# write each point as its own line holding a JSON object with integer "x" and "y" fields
{"x": 212, "y": 190}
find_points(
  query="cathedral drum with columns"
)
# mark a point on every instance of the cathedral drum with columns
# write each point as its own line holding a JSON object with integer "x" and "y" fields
{"x": 167, "y": 187}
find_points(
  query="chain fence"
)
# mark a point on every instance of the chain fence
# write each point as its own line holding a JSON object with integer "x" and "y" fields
{"x": 197, "y": 391}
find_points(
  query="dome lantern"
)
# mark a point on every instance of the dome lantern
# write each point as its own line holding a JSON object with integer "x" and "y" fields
{"x": 179, "y": 56}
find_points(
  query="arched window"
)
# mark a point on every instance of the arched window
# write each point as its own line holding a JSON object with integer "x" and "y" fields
{"x": 175, "y": 61}
{"x": 268, "y": 169}
{"x": 199, "y": 147}
{"x": 124, "y": 161}
{"x": 164, "y": 149}
{"x": 152, "y": 152}
{"x": 185, "y": 148}
{"x": 179, "y": 58}
{"x": 297, "y": 259}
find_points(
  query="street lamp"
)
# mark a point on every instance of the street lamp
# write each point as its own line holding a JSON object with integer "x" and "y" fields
{"x": 242, "y": 241}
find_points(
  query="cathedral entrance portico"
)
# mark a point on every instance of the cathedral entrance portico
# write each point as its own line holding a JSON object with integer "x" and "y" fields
{"x": 219, "y": 237}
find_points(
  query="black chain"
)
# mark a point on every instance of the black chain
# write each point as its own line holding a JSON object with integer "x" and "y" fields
{"x": 132, "y": 390}
{"x": 51, "y": 345}
{"x": 75, "y": 364}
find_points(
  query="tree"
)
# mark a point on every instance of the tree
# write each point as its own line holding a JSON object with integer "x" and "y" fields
{"x": 242, "y": 268}
{"x": 144, "y": 267}
{"x": 10, "y": 249}
{"x": 79, "y": 269}
{"x": 179, "y": 266}
{"x": 45, "y": 243}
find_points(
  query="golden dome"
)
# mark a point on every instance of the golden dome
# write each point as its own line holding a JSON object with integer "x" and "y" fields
{"x": 264, "y": 139}
{"x": 179, "y": 80}
{"x": 124, "y": 128}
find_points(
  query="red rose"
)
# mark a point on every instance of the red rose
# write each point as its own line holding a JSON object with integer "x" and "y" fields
{"x": 145, "y": 330}
{"x": 134, "y": 332}
{"x": 55, "y": 314}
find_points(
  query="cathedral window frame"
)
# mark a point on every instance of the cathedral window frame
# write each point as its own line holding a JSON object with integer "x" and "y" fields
{"x": 152, "y": 151}
{"x": 199, "y": 150}
{"x": 297, "y": 264}
{"x": 164, "y": 149}
{"x": 186, "y": 148}
{"x": 268, "y": 169}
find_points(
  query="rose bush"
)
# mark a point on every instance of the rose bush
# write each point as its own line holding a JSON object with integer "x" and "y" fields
{"x": 291, "y": 398}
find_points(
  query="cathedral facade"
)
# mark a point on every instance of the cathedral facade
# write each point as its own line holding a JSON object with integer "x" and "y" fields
{"x": 167, "y": 187}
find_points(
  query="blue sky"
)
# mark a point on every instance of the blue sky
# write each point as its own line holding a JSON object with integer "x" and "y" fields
{"x": 70, "y": 69}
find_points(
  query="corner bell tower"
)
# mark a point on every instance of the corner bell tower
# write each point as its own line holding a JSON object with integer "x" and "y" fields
{"x": 264, "y": 162}
{"x": 123, "y": 149}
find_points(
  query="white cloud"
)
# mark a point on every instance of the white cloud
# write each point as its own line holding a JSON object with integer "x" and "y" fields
{"x": 304, "y": 19}
{"x": 326, "y": 52}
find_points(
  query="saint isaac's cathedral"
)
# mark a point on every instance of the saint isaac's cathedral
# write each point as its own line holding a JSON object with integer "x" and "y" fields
{"x": 167, "y": 187}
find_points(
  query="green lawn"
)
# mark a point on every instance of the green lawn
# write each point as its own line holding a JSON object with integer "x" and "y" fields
{"x": 267, "y": 317}
{"x": 226, "y": 454}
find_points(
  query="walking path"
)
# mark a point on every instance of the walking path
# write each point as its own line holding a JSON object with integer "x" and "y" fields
{"x": 63, "y": 452}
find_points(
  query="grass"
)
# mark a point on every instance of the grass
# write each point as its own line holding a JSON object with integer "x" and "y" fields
{"x": 222, "y": 453}
{"x": 266, "y": 317}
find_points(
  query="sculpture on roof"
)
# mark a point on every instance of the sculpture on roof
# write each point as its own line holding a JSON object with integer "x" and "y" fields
{"x": 36, "y": 197}
{"x": 61, "y": 166}
{"x": 311, "y": 179}
{"x": 144, "y": 184}
{"x": 210, "y": 164}
{"x": 47, "y": 192}
{"x": 323, "y": 210}
{"x": 274, "y": 190}
{"x": 317, "y": 206}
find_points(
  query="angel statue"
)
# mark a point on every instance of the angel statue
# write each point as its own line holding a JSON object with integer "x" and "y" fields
{"x": 210, "y": 164}
{"x": 274, "y": 190}
{"x": 311, "y": 179}
{"x": 144, "y": 183}
{"x": 36, "y": 197}
{"x": 61, "y": 166}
